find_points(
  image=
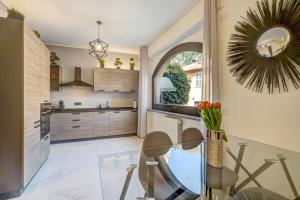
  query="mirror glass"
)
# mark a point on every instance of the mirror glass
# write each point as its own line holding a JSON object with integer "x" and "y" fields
{"x": 273, "y": 42}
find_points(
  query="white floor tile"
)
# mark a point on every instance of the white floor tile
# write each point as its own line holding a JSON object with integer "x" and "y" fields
{"x": 88, "y": 170}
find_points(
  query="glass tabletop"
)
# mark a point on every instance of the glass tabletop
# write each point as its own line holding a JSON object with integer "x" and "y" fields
{"x": 251, "y": 170}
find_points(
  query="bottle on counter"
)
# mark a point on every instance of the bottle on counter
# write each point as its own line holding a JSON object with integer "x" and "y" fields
{"x": 134, "y": 104}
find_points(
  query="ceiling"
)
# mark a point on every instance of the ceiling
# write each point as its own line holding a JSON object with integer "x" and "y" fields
{"x": 127, "y": 24}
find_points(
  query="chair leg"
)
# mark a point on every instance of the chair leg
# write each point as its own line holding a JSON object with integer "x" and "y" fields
{"x": 210, "y": 196}
{"x": 130, "y": 170}
{"x": 151, "y": 177}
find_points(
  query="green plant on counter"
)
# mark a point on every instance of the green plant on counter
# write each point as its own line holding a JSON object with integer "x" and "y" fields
{"x": 132, "y": 63}
{"x": 118, "y": 63}
{"x": 13, "y": 13}
{"x": 102, "y": 62}
{"x": 53, "y": 58}
{"x": 37, "y": 33}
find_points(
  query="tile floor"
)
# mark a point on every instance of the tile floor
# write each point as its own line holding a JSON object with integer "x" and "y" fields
{"x": 90, "y": 170}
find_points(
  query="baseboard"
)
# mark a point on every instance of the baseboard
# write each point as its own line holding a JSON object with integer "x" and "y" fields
{"x": 10, "y": 195}
{"x": 93, "y": 138}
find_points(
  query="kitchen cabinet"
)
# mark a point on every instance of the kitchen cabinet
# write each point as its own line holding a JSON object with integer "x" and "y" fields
{"x": 67, "y": 126}
{"x": 24, "y": 85}
{"x": 117, "y": 123}
{"x": 101, "y": 123}
{"x": 116, "y": 80}
{"x": 44, "y": 74}
{"x": 131, "y": 80}
{"x": 123, "y": 122}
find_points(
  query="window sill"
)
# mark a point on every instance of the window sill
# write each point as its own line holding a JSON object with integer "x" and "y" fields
{"x": 176, "y": 114}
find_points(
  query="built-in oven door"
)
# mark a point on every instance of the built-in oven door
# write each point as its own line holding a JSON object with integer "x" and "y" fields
{"x": 45, "y": 123}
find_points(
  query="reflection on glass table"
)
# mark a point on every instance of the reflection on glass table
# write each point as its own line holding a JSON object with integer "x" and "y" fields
{"x": 164, "y": 170}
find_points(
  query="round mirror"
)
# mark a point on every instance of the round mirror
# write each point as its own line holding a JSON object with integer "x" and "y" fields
{"x": 273, "y": 42}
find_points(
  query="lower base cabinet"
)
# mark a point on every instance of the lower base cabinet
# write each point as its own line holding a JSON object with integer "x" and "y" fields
{"x": 68, "y": 126}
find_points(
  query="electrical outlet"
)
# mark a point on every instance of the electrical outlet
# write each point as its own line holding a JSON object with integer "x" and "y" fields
{"x": 77, "y": 103}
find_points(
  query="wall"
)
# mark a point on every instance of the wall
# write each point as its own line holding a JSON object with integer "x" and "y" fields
{"x": 72, "y": 57}
{"x": 271, "y": 119}
{"x": 3, "y": 12}
{"x": 186, "y": 29}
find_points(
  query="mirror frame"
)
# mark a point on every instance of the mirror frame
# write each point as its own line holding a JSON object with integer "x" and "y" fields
{"x": 251, "y": 69}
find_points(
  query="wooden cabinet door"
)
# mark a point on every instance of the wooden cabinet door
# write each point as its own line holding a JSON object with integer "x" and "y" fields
{"x": 116, "y": 79}
{"x": 32, "y": 50}
{"x": 131, "y": 81}
{"x": 101, "y": 123}
{"x": 102, "y": 79}
{"x": 31, "y": 78}
{"x": 130, "y": 121}
{"x": 116, "y": 123}
{"x": 44, "y": 74}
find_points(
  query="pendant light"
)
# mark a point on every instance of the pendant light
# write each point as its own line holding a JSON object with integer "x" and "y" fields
{"x": 98, "y": 48}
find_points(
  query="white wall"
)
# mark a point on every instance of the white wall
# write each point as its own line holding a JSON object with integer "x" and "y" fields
{"x": 186, "y": 29}
{"x": 72, "y": 57}
{"x": 3, "y": 12}
{"x": 271, "y": 119}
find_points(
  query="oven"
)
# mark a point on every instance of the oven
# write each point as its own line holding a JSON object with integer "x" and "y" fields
{"x": 45, "y": 119}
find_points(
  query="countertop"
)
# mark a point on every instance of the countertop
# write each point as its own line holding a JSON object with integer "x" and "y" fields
{"x": 71, "y": 110}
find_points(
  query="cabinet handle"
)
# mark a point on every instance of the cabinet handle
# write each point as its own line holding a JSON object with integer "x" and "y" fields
{"x": 116, "y": 90}
{"x": 103, "y": 112}
{"x": 75, "y": 113}
{"x": 37, "y": 126}
{"x": 75, "y": 120}
{"x": 116, "y": 111}
{"x": 36, "y": 122}
{"x": 75, "y": 126}
{"x": 101, "y": 90}
{"x": 46, "y": 138}
{"x": 46, "y": 101}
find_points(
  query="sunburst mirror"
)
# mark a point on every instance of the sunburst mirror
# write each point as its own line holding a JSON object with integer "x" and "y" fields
{"x": 264, "y": 53}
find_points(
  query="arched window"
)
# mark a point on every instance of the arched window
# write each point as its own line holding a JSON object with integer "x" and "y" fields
{"x": 177, "y": 80}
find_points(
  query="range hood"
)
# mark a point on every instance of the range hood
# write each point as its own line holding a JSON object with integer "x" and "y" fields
{"x": 77, "y": 82}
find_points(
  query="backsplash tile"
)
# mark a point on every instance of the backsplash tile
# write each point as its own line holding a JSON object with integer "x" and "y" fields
{"x": 91, "y": 99}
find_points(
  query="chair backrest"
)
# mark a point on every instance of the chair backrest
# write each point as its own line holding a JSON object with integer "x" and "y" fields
{"x": 191, "y": 138}
{"x": 154, "y": 145}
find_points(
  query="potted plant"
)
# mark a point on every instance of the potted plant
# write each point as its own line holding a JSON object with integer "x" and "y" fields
{"x": 53, "y": 58}
{"x": 131, "y": 63}
{"x": 211, "y": 115}
{"x": 102, "y": 62}
{"x": 118, "y": 63}
{"x": 13, "y": 13}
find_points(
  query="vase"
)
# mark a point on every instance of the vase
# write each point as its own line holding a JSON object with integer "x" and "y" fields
{"x": 215, "y": 148}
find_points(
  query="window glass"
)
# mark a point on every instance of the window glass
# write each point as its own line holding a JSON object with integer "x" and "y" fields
{"x": 179, "y": 80}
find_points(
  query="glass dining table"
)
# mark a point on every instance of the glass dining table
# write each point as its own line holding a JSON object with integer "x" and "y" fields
{"x": 251, "y": 170}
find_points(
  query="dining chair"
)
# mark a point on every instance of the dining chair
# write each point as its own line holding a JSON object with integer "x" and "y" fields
{"x": 155, "y": 144}
{"x": 191, "y": 138}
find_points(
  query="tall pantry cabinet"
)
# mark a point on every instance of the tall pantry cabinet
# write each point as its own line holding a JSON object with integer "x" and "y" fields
{"x": 24, "y": 85}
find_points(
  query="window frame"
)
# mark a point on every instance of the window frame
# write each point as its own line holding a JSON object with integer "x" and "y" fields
{"x": 186, "y": 110}
{"x": 201, "y": 82}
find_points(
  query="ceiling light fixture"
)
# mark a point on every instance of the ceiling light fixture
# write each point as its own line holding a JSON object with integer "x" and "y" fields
{"x": 98, "y": 48}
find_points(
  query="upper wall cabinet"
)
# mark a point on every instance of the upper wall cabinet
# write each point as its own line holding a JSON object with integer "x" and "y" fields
{"x": 116, "y": 80}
